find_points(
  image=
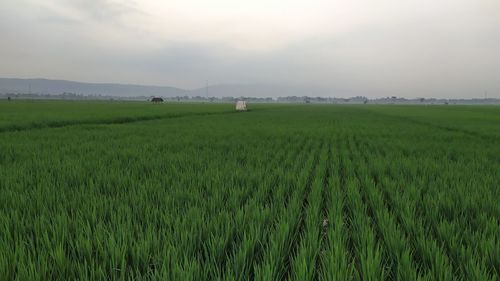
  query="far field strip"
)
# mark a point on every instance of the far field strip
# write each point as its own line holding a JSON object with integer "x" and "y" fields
{"x": 124, "y": 119}
{"x": 422, "y": 122}
{"x": 117, "y": 120}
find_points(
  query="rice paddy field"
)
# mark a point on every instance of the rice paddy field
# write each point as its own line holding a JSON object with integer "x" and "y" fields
{"x": 139, "y": 191}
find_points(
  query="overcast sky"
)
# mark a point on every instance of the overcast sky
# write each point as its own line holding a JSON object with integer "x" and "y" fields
{"x": 409, "y": 48}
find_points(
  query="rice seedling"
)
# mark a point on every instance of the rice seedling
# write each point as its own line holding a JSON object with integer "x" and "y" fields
{"x": 134, "y": 191}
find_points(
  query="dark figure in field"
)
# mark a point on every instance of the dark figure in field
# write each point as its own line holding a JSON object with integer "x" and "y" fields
{"x": 157, "y": 100}
{"x": 8, "y": 98}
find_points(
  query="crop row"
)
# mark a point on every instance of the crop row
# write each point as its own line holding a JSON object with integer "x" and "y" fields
{"x": 295, "y": 193}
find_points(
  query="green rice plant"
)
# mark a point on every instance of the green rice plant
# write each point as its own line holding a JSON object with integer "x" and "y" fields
{"x": 369, "y": 254}
{"x": 304, "y": 262}
{"x": 337, "y": 263}
{"x": 241, "y": 263}
{"x": 134, "y": 191}
{"x": 274, "y": 265}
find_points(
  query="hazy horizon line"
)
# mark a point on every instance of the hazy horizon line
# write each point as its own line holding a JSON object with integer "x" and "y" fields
{"x": 278, "y": 85}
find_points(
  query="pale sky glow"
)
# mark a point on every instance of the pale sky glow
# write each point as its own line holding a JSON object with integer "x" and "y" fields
{"x": 411, "y": 48}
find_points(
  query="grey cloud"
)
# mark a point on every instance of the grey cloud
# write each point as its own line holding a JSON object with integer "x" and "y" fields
{"x": 413, "y": 58}
{"x": 101, "y": 10}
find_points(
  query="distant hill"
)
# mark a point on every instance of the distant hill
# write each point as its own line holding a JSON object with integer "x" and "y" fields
{"x": 46, "y": 86}
{"x": 57, "y": 87}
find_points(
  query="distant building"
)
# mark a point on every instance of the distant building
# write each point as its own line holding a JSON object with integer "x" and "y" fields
{"x": 157, "y": 99}
{"x": 241, "y": 105}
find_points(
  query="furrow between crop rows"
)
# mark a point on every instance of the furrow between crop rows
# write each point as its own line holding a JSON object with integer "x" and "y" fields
{"x": 369, "y": 255}
{"x": 275, "y": 264}
{"x": 461, "y": 257}
{"x": 304, "y": 265}
{"x": 217, "y": 251}
{"x": 255, "y": 236}
{"x": 337, "y": 262}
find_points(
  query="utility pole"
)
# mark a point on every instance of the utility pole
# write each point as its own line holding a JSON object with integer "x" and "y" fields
{"x": 206, "y": 90}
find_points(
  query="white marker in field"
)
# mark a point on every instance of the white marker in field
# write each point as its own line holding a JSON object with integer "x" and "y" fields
{"x": 241, "y": 105}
